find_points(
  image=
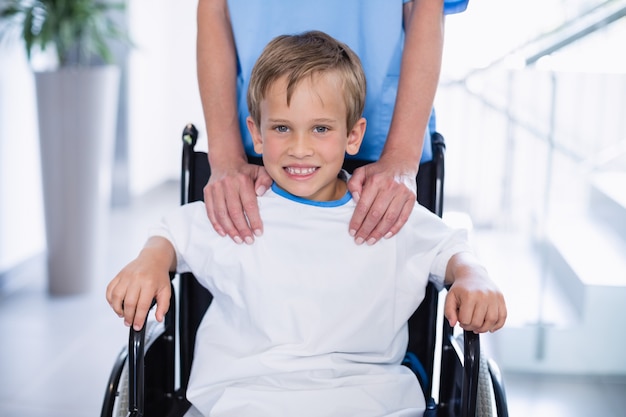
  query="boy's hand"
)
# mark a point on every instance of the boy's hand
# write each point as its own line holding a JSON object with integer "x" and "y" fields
{"x": 385, "y": 198}
{"x": 473, "y": 300}
{"x": 231, "y": 201}
{"x": 131, "y": 292}
{"x": 476, "y": 305}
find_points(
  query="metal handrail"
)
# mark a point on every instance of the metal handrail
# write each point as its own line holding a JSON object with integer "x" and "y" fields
{"x": 546, "y": 43}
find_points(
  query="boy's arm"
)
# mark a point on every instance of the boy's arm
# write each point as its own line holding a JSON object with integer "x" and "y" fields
{"x": 131, "y": 292}
{"x": 474, "y": 301}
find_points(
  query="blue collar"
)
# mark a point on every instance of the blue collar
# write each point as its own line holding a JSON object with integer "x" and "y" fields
{"x": 335, "y": 203}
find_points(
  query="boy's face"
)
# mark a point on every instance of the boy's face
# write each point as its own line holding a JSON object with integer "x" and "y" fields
{"x": 304, "y": 144}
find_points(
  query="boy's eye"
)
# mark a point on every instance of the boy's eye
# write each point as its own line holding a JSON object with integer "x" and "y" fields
{"x": 281, "y": 129}
{"x": 320, "y": 129}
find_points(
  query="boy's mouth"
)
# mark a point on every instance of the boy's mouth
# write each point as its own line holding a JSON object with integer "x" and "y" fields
{"x": 300, "y": 170}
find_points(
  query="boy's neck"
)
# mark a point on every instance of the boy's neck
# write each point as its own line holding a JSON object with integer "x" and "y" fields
{"x": 341, "y": 191}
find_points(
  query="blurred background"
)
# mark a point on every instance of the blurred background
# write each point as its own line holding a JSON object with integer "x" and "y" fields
{"x": 532, "y": 103}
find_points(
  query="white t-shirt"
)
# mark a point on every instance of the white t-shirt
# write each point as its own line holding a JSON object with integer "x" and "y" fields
{"x": 304, "y": 322}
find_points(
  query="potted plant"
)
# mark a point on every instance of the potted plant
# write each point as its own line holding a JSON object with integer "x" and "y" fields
{"x": 77, "y": 104}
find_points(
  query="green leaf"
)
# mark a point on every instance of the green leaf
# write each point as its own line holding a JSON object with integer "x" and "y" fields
{"x": 81, "y": 29}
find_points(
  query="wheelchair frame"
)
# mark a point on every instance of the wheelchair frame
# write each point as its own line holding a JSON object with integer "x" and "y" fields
{"x": 152, "y": 389}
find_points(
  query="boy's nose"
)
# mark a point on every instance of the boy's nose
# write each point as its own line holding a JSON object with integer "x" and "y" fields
{"x": 300, "y": 146}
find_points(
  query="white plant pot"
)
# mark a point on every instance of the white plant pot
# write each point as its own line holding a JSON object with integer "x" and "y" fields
{"x": 77, "y": 110}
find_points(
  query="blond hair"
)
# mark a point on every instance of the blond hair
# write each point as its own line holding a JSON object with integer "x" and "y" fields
{"x": 305, "y": 55}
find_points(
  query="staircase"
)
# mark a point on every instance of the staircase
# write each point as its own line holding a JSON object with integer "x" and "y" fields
{"x": 581, "y": 264}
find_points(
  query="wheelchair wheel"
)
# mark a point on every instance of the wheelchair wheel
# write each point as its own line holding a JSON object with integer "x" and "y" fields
{"x": 120, "y": 409}
{"x": 485, "y": 401}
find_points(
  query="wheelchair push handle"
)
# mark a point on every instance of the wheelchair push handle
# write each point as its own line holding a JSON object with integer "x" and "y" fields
{"x": 190, "y": 135}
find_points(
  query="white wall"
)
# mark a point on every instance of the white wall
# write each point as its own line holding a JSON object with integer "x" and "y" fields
{"x": 163, "y": 93}
{"x": 162, "y": 98}
{"x": 21, "y": 211}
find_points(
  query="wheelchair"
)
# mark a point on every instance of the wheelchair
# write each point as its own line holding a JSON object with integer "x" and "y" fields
{"x": 150, "y": 375}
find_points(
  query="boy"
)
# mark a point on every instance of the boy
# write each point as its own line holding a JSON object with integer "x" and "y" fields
{"x": 400, "y": 42}
{"x": 305, "y": 321}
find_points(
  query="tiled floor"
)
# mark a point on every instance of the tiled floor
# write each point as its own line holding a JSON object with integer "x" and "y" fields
{"x": 56, "y": 353}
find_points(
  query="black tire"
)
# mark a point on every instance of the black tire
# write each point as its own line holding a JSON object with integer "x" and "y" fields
{"x": 485, "y": 401}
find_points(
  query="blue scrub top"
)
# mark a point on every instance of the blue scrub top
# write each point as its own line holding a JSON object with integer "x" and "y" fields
{"x": 372, "y": 28}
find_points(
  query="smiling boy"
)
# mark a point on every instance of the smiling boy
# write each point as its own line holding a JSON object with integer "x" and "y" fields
{"x": 304, "y": 321}
{"x": 304, "y": 122}
{"x": 303, "y": 143}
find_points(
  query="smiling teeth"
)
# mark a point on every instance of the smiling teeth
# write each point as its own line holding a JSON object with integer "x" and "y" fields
{"x": 300, "y": 171}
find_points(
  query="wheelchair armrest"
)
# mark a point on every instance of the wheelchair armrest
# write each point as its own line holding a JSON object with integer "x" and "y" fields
{"x": 471, "y": 363}
{"x": 136, "y": 354}
{"x": 460, "y": 372}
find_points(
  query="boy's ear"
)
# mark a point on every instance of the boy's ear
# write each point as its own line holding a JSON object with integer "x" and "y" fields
{"x": 255, "y": 132}
{"x": 355, "y": 136}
